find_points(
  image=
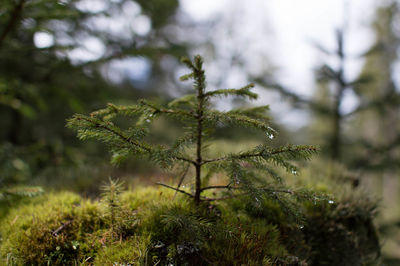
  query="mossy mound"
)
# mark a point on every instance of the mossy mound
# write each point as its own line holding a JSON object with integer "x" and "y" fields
{"x": 55, "y": 228}
{"x": 152, "y": 226}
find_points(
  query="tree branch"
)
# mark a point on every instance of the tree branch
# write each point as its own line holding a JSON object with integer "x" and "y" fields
{"x": 185, "y": 160}
{"x": 129, "y": 140}
{"x": 169, "y": 111}
{"x": 181, "y": 179}
{"x": 120, "y": 135}
{"x": 389, "y": 98}
{"x": 287, "y": 191}
{"x": 295, "y": 98}
{"x": 237, "y": 156}
{"x": 55, "y": 232}
{"x": 15, "y": 14}
{"x": 176, "y": 189}
{"x": 257, "y": 154}
{"x": 219, "y": 187}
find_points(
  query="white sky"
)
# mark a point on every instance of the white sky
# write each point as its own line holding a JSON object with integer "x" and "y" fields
{"x": 294, "y": 25}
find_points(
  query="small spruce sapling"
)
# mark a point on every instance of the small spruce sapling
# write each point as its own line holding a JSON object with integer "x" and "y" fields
{"x": 249, "y": 172}
{"x": 110, "y": 196}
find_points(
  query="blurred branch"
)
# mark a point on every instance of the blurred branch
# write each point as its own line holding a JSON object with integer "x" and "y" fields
{"x": 378, "y": 156}
{"x": 123, "y": 54}
{"x": 295, "y": 98}
{"x": 391, "y": 97}
{"x": 15, "y": 15}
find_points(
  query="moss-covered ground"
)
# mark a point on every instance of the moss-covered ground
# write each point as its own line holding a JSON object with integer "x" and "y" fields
{"x": 153, "y": 226}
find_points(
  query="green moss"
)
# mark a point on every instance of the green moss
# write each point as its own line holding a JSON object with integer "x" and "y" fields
{"x": 208, "y": 235}
{"x": 132, "y": 251}
{"x": 153, "y": 227}
{"x": 52, "y": 229}
{"x": 145, "y": 196}
{"x": 249, "y": 244}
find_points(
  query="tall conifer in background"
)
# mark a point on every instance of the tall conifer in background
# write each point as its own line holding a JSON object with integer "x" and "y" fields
{"x": 377, "y": 129}
{"x": 332, "y": 86}
{"x": 379, "y": 126}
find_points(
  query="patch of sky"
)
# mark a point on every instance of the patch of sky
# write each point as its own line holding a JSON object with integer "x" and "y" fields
{"x": 135, "y": 69}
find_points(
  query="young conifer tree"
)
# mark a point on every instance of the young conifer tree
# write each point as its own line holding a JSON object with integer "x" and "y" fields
{"x": 249, "y": 172}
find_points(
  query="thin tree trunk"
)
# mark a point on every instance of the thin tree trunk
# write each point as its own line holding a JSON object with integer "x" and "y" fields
{"x": 341, "y": 86}
{"x": 199, "y": 159}
{"x": 336, "y": 136}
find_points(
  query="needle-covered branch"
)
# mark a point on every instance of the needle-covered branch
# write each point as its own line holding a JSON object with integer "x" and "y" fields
{"x": 90, "y": 127}
{"x": 256, "y": 112}
{"x": 242, "y": 92}
{"x": 168, "y": 111}
{"x": 300, "y": 194}
{"x": 265, "y": 152}
{"x": 237, "y": 119}
{"x": 250, "y": 171}
{"x": 106, "y": 131}
{"x": 229, "y": 187}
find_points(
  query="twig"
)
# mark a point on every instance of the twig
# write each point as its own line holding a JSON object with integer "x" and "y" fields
{"x": 219, "y": 187}
{"x": 181, "y": 179}
{"x": 55, "y": 232}
{"x": 178, "y": 190}
{"x": 185, "y": 160}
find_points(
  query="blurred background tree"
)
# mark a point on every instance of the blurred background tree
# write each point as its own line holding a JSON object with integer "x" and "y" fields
{"x": 365, "y": 140}
{"x": 376, "y": 132}
{"x": 61, "y": 57}
{"x": 378, "y": 127}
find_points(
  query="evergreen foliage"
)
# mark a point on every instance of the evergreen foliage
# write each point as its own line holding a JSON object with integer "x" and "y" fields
{"x": 250, "y": 172}
{"x": 110, "y": 197}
